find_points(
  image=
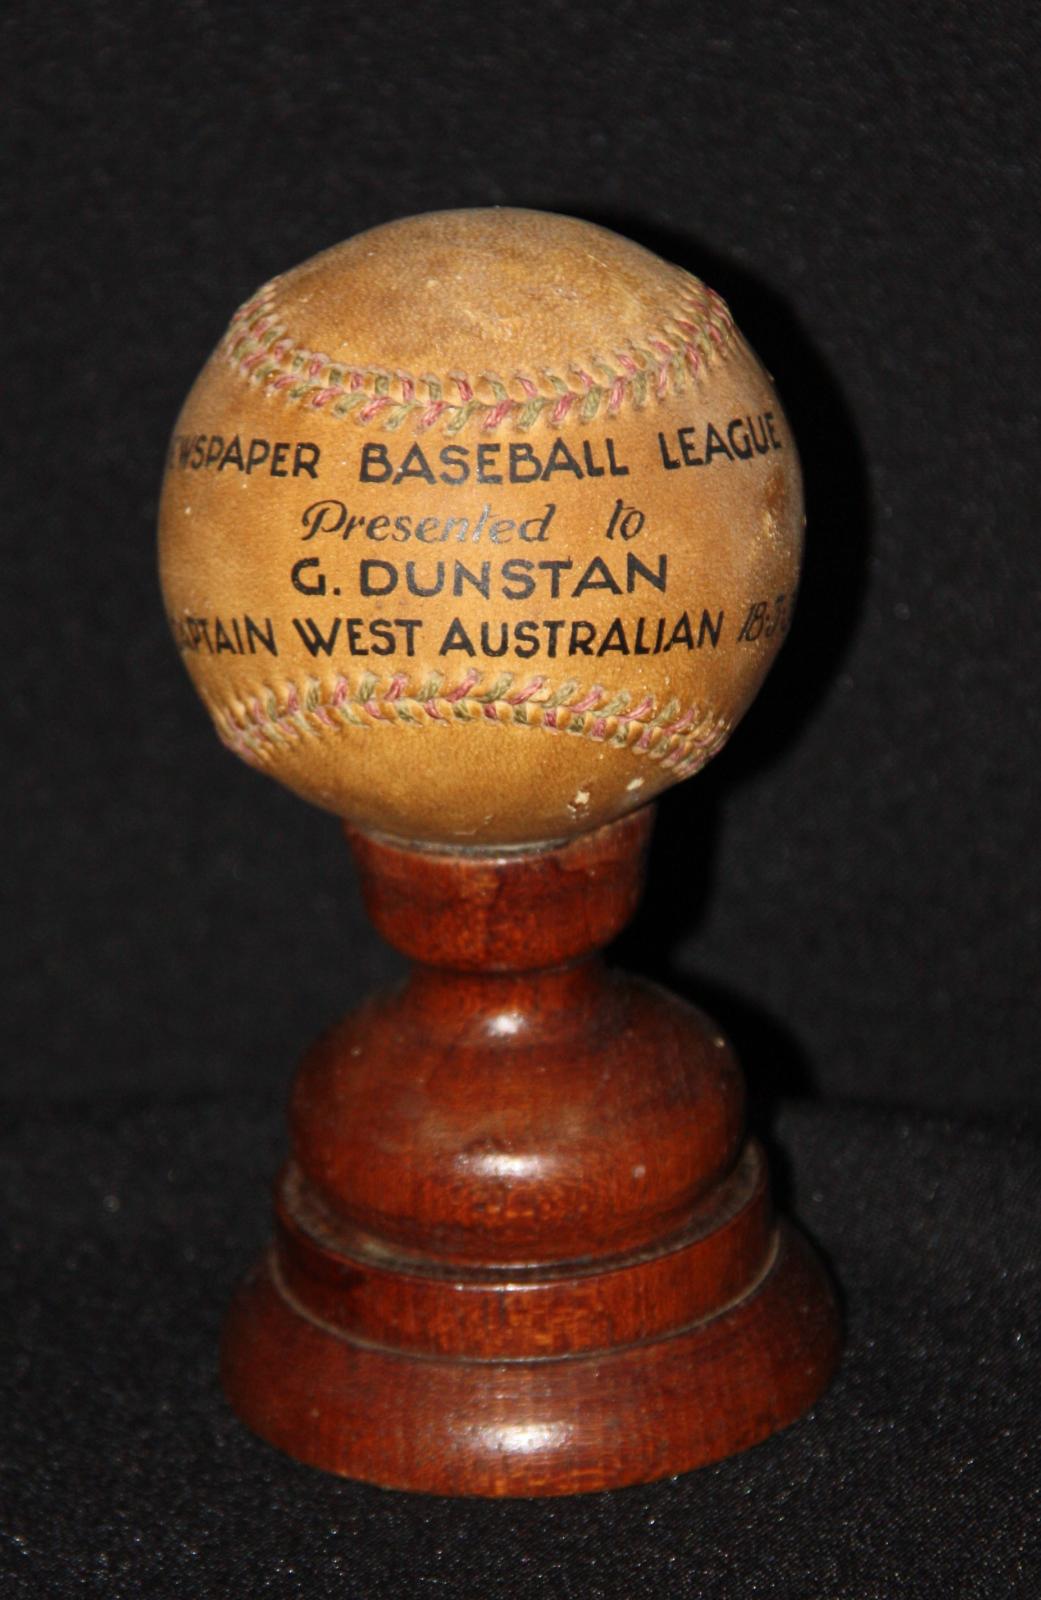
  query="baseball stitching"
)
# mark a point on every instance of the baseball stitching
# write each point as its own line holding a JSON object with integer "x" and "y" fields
{"x": 260, "y": 347}
{"x": 258, "y": 727}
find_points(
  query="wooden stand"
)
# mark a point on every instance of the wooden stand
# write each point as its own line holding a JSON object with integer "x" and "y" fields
{"x": 522, "y": 1245}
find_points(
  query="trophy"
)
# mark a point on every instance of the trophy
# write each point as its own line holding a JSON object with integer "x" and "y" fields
{"x": 479, "y": 530}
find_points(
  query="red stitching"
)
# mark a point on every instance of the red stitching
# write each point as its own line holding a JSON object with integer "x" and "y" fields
{"x": 256, "y": 321}
{"x": 519, "y": 696}
{"x": 683, "y": 745}
{"x": 463, "y": 689}
{"x": 498, "y": 413}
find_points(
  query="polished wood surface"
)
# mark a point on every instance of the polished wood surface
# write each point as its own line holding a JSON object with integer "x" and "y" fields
{"x": 522, "y": 1246}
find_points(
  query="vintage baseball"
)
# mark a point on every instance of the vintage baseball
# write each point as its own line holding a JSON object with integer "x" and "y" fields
{"x": 480, "y": 528}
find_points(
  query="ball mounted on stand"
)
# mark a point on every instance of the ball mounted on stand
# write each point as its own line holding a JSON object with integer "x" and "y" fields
{"x": 480, "y": 530}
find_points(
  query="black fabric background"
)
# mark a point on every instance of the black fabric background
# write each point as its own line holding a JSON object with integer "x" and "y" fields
{"x": 852, "y": 887}
{"x": 915, "y": 1478}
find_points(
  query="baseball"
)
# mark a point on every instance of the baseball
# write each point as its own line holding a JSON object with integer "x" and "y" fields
{"x": 481, "y": 528}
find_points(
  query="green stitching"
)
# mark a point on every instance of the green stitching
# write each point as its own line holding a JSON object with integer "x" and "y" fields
{"x": 258, "y": 728}
{"x": 698, "y": 333}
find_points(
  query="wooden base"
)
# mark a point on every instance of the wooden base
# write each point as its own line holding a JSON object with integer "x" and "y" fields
{"x": 522, "y": 1246}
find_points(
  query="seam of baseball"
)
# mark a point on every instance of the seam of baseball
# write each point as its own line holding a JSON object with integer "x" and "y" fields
{"x": 258, "y": 726}
{"x": 260, "y": 348}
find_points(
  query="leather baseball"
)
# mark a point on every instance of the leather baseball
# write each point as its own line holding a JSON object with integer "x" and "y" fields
{"x": 481, "y": 528}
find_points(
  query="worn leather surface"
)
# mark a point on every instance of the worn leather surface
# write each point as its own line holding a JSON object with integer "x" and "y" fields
{"x": 483, "y": 527}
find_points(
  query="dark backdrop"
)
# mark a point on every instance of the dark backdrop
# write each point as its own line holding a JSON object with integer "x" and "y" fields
{"x": 853, "y": 886}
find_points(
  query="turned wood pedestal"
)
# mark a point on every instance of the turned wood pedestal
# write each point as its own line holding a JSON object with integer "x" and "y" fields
{"x": 523, "y": 1246}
